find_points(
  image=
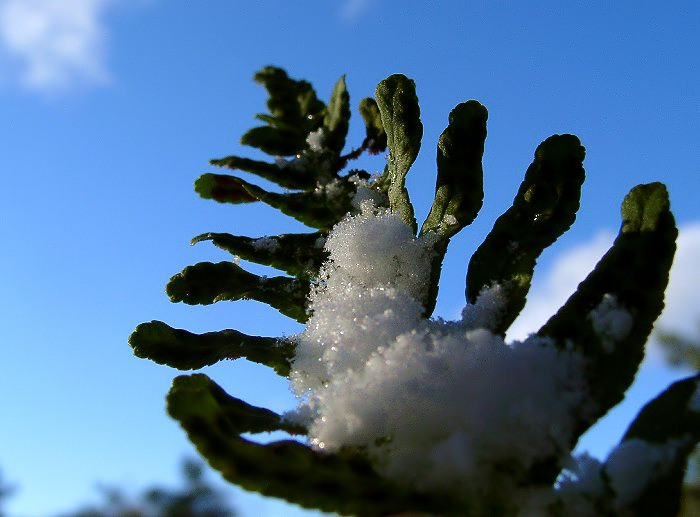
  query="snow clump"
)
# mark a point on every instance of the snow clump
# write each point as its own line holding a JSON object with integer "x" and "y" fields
{"x": 315, "y": 140}
{"x": 694, "y": 402}
{"x": 629, "y": 470}
{"x": 437, "y": 405}
{"x": 611, "y": 322}
{"x": 635, "y": 464}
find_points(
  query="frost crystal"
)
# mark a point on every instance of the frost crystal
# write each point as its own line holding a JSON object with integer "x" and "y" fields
{"x": 611, "y": 322}
{"x": 436, "y": 404}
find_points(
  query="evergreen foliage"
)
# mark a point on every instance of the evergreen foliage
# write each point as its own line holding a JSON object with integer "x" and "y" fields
{"x": 306, "y": 139}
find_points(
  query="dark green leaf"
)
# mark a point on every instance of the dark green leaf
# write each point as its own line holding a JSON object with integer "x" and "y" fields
{"x": 273, "y": 141}
{"x": 439, "y": 251}
{"x": 277, "y": 123}
{"x": 299, "y": 254}
{"x": 398, "y": 106}
{"x": 206, "y": 283}
{"x": 294, "y": 112}
{"x": 284, "y": 176}
{"x": 337, "y": 119}
{"x": 375, "y": 141}
{"x": 344, "y": 482}
{"x": 197, "y": 393}
{"x": 187, "y": 351}
{"x": 320, "y": 208}
{"x": 222, "y": 188}
{"x": 544, "y": 208}
{"x": 459, "y": 190}
{"x": 290, "y": 101}
{"x": 633, "y": 273}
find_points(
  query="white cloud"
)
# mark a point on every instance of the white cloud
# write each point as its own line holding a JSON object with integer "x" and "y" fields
{"x": 57, "y": 43}
{"x": 552, "y": 287}
{"x": 683, "y": 293}
{"x": 351, "y": 9}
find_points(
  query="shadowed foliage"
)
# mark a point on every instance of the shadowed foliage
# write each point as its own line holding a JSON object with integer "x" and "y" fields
{"x": 196, "y": 498}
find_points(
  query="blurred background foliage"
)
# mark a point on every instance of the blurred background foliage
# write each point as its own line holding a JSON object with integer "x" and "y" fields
{"x": 196, "y": 497}
{"x": 683, "y": 351}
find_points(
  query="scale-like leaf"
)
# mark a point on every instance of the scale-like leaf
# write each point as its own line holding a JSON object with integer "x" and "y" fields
{"x": 197, "y": 393}
{"x": 222, "y": 188}
{"x": 292, "y": 102}
{"x": 205, "y": 283}
{"x": 398, "y": 106}
{"x": 294, "y": 112}
{"x": 273, "y": 141}
{"x": 344, "y": 482}
{"x": 459, "y": 191}
{"x": 439, "y": 251}
{"x": 298, "y": 254}
{"x": 375, "y": 141}
{"x": 320, "y": 208}
{"x": 188, "y": 351}
{"x": 624, "y": 292}
{"x": 544, "y": 208}
{"x": 286, "y": 177}
{"x": 337, "y": 119}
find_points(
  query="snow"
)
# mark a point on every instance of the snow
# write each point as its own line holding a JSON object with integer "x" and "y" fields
{"x": 634, "y": 464}
{"x": 365, "y": 193}
{"x": 486, "y": 312}
{"x": 611, "y": 322}
{"x": 437, "y": 405}
{"x": 694, "y": 402}
{"x": 331, "y": 189}
{"x": 315, "y": 140}
{"x": 628, "y": 471}
{"x": 266, "y": 244}
{"x": 579, "y": 488}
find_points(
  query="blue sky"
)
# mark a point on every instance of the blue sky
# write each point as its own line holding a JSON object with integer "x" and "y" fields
{"x": 110, "y": 109}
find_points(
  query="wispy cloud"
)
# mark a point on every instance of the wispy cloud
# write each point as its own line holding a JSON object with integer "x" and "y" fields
{"x": 552, "y": 287}
{"x": 351, "y": 9}
{"x": 683, "y": 296}
{"x": 54, "y": 43}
